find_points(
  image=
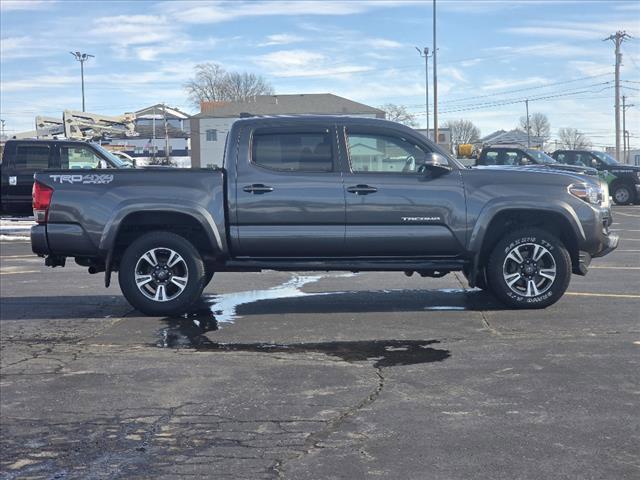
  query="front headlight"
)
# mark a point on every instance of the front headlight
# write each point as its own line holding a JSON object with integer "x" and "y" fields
{"x": 588, "y": 193}
{"x": 638, "y": 175}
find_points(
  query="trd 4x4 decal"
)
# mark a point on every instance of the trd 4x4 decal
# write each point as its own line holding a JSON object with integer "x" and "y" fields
{"x": 94, "y": 179}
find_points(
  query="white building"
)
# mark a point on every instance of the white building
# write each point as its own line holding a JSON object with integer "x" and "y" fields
{"x": 210, "y": 127}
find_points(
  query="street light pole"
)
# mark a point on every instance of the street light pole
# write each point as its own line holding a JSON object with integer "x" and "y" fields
{"x": 425, "y": 53}
{"x": 526, "y": 102}
{"x": 82, "y": 57}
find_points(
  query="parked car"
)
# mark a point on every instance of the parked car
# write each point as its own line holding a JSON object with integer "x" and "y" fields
{"x": 21, "y": 159}
{"x": 324, "y": 193}
{"x": 528, "y": 157}
{"x": 623, "y": 180}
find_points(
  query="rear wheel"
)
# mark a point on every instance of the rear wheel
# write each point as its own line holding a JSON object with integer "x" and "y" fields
{"x": 622, "y": 194}
{"x": 161, "y": 273}
{"x": 529, "y": 268}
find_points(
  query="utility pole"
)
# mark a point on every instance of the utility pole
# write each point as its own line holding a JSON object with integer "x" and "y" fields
{"x": 425, "y": 53}
{"x": 624, "y": 130}
{"x": 435, "y": 80}
{"x": 526, "y": 102}
{"x": 625, "y": 134}
{"x": 2, "y": 129}
{"x": 82, "y": 57}
{"x": 166, "y": 135}
{"x": 153, "y": 139}
{"x": 617, "y": 38}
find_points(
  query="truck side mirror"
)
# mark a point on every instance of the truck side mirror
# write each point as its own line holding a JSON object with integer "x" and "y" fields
{"x": 434, "y": 163}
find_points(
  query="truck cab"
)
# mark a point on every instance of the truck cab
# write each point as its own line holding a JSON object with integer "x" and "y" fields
{"x": 519, "y": 157}
{"x": 623, "y": 180}
{"x": 21, "y": 159}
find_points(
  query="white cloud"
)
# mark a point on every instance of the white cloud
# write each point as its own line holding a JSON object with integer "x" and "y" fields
{"x": 304, "y": 63}
{"x": 281, "y": 39}
{"x": 126, "y": 30}
{"x": 581, "y": 30}
{"x": 501, "y": 84}
{"x": 12, "y": 5}
{"x": 454, "y": 73}
{"x": 382, "y": 43}
{"x": 222, "y": 11}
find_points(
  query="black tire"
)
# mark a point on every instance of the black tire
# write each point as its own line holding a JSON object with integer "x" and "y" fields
{"x": 191, "y": 265}
{"x": 503, "y": 267}
{"x": 623, "y": 194}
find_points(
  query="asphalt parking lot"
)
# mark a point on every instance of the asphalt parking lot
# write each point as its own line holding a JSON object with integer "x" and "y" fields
{"x": 321, "y": 376}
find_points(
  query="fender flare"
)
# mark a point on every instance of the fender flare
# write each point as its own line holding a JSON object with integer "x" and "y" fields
{"x": 500, "y": 205}
{"x": 198, "y": 213}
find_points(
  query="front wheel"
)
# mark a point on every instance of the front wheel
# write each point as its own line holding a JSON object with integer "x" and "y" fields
{"x": 622, "y": 194}
{"x": 161, "y": 273}
{"x": 529, "y": 268}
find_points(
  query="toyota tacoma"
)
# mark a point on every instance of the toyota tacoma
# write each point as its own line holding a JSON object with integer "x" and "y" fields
{"x": 324, "y": 193}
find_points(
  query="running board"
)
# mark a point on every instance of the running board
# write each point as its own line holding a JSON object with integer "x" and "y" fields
{"x": 444, "y": 265}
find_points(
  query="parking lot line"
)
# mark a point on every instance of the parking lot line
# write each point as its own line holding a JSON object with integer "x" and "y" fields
{"x": 626, "y": 214}
{"x": 611, "y": 267}
{"x": 18, "y": 256}
{"x": 615, "y": 295}
{"x": 15, "y": 273}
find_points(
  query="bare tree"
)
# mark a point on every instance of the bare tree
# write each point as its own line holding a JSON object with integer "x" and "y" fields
{"x": 572, "y": 139}
{"x": 463, "y": 131}
{"x": 539, "y": 125}
{"x": 214, "y": 84}
{"x": 399, "y": 113}
{"x": 242, "y": 86}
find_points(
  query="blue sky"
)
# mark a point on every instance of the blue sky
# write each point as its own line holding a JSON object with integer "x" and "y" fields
{"x": 490, "y": 53}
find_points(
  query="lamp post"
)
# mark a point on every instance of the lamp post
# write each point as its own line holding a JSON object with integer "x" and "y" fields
{"x": 425, "y": 54}
{"x": 82, "y": 57}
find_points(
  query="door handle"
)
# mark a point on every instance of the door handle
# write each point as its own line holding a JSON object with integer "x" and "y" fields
{"x": 258, "y": 189}
{"x": 362, "y": 189}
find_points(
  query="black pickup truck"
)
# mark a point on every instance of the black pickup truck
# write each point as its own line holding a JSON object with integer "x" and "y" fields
{"x": 21, "y": 159}
{"x": 528, "y": 157}
{"x": 324, "y": 193}
{"x": 623, "y": 180}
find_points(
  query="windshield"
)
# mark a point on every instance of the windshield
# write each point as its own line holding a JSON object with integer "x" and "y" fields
{"x": 606, "y": 158}
{"x": 118, "y": 162}
{"x": 541, "y": 156}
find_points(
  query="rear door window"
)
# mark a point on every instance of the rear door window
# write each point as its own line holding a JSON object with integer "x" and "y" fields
{"x": 491, "y": 158}
{"x": 79, "y": 157}
{"x": 32, "y": 157}
{"x": 293, "y": 152}
{"x": 511, "y": 157}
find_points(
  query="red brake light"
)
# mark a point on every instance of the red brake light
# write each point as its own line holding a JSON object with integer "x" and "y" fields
{"x": 41, "y": 201}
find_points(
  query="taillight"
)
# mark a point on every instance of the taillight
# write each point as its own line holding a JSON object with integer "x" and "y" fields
{"x": 41, "y": 201}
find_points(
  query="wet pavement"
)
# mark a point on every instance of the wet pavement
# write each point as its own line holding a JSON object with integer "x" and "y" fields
{"x": 320, "y": 375}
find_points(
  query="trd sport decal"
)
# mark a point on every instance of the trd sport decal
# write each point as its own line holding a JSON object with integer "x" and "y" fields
{"x": 92, "y": 179}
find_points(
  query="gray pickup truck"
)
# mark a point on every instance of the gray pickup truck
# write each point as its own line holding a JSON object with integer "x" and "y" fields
{"x": 324, "y": 193}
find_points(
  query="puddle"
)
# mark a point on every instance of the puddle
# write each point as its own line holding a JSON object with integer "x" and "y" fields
{"x": 190, "y": 333}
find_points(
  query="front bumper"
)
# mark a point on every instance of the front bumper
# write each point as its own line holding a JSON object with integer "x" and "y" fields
{"x": 610, "y": 245}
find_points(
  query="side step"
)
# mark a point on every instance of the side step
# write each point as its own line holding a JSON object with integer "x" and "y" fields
{"x": 331, "y": 264}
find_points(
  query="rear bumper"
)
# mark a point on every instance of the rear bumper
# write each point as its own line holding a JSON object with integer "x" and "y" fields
{"x": 39, "y": 243}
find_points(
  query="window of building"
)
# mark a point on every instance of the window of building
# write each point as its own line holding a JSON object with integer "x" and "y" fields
{"x": 295, "y": 152}
{"x": 32, "y": 157}
{"x": 212, "y": 135}
{"x": 78, "y": 157}
{"x": 384, "y": 153}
